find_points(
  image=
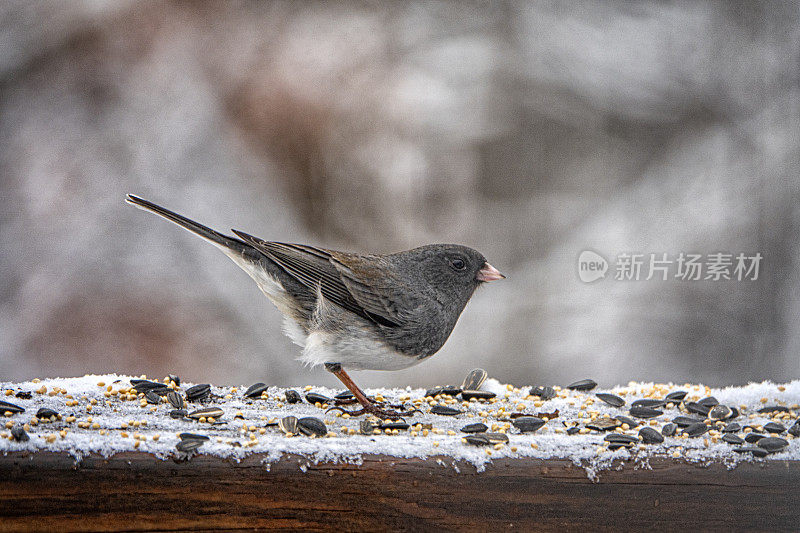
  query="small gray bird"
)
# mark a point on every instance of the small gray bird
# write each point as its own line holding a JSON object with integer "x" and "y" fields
{"x": 354, "y": 311}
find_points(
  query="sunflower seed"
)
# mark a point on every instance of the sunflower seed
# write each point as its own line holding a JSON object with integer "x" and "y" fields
{"x": 625, "y": 420}
{"x": 402, "y": 426}
{"x": 720, "y": 412}
{"x": 528, "y": 424}
{"x": 496, "y": 438}
{"x": 19, "y": 434}
{"x": 794, "y": 431}
{"x": 649, "y": 402}
{"x": 198, "y": 392}
{"x": 144, "y": 385}
{"x": 697, "y": 408}
{"x": 650, "y": 436}
{"x": 708, "y": 401}
{"x": 676, "y": 396}
{"x": 447, "y": 390}
{"x": 611, "y": 399}
{"x": 772, "y": 444}
{"x": 346, "y": 395}
{"x": 6, "y": 406}
{"x": 368, "y": 427}
{"x": 685, "y": 421}
{"x": 178, "y": 413}
{"x": 450, "y": 390}
{"x": 573, "y": 430}
{"x": 774, "y": 409}
{"x": 45, "y": 413}
{"x": 474, "y": 379}
{"x": 621, "y": 437}
{"x": 214, "y": 412}
{"x": 669, "y": 429}
{"x": 193, "y": 436}
{"x": 645, "y": 412}
{"x": 478, "y": 394}
{"x": 152, "y": 397}
{"x": 187, "y": 446}
{"x": 24, "y": 395}
{"x": 444, "y": 411}
{"x": 315, "y": 398}
{"x": 733, "y": 427}
{"x": 695, "y": 430}
{"x": 604, "y": 424}
{"x": 617, "y": 445}
{"x": 288, "y": 424}
{"x": 175, "y": 399}
{"x": 583, "y": 385}
{"x": 755, "y": 450}
{"x": 311, "y": 426}
{"x": 479, "y": 439}
{"x": 255, "y": 390}
{"x": 752, "y": 438}
{"x": 544, "y": 393}
{"x": 292, "y": 396}
{"x": 774, "y": 427}
{"x": 175, "y": 379}
{"x": 474, "y": 428}
{"x": 732, "y": 438}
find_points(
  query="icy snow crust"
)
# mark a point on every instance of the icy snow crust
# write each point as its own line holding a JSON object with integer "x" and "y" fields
{"x": 229, "y": 440}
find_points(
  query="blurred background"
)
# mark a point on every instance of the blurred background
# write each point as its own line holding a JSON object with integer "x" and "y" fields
{"x": 530, "y": 131}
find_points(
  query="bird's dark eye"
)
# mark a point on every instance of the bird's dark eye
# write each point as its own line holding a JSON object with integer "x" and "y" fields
{"x": 458, "y": 264}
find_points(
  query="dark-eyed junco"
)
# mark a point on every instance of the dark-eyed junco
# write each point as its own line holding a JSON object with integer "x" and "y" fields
{"x": 354, "y": 311}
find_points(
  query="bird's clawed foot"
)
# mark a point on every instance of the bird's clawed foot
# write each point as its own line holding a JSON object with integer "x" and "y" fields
{"x": 378, "y": 411}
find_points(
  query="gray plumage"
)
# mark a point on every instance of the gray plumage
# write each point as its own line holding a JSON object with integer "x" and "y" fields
{"x": 380, "y": 312}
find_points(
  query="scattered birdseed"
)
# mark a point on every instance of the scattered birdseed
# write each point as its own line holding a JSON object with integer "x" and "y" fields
{"x": 474, "y": 380}
{"x": 604, "y": 424}
{"x": 669, "y": 429}
{"x": 444, "y": 410}
{"x": 198, "y": 392}
{"x": 10, "y": 408}
{"x": 774, "y": 427}
{"x": 649, "y": 402}
{"x": 314, "y": 398}
{"x": 292, "y": 396}
{"x": 175, "y": 399}
{"x": 528, "y": 424}
{"x": 545, "y": 393}
{"x": 611, "y": 399}
{"x": 645, "y": 412}
{"x": 650, "y": 436}
{"x": 478, "y": 427}
{"x": 732, "y": 438}
{"x": 255, "y": 390}
{"x": 477, "y": 394}
{"x": 695, "y": 430}
{"x": 676, "y": 396}
{"x": 772, "y": 444}
{"x": 214, "y": 412}
{"x": 755, "y": 450}
{"x": 311, "y": 426}
{"x": 583, "y": 385}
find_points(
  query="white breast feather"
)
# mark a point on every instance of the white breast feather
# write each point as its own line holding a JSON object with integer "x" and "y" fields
{"x": 332, "y": 336}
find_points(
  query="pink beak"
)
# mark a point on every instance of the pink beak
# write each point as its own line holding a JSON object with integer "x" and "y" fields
{"x": 488, "y": 273}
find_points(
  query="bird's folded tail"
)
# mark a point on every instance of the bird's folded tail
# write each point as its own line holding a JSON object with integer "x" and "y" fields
{"x": 224, "y": 242}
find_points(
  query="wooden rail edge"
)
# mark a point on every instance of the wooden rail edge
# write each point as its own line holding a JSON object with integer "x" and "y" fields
{"x": 137, "y": 492}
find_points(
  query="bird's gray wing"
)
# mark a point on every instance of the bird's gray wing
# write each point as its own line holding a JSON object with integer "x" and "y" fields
{"x": 375, "y": 285}
{"x": 315, "y": 269}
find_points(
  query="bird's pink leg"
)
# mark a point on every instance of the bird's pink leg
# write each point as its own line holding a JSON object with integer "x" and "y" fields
{"x": 367, "y": 406}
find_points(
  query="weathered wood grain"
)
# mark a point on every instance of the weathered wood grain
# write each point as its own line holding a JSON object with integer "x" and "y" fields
{"x": 137, "y": 492}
